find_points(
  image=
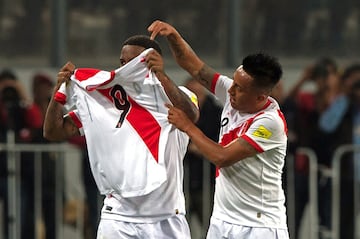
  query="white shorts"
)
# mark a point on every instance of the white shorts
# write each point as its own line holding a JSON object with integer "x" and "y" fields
{"x": 175, "y": 227}
{"x": 220, "y": 229}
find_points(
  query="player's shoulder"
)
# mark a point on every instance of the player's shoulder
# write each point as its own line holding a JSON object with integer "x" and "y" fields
{"x": 272, "y": 118}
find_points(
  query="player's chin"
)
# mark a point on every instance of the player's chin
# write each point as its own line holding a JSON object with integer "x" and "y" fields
{"x": 233, "y": 104}
{"x": 238, "y": 107}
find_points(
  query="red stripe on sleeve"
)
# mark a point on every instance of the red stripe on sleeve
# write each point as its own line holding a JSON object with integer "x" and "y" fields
{"x": 76, "y": 120}
{"x": 213, "y": 82}
{"x": 60, "y": 97}
{"x": 252, "y": 143}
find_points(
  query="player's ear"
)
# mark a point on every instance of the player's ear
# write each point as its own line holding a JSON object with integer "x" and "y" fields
{"x": 262, "y": 97}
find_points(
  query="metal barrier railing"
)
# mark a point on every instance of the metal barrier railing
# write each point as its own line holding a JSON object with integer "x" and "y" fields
{"x": 313, "y": 193}
{"x": 336, "y": 163}
{"x": 335, "y": 190}
{"x": 13, "y": 163}
{"x": 13, "y": 166}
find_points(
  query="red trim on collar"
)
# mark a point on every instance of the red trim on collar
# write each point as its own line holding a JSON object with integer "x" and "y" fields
{"x": 268, "y": 102}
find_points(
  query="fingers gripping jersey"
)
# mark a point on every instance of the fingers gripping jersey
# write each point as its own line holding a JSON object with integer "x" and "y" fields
{"x": 124, "y": 119}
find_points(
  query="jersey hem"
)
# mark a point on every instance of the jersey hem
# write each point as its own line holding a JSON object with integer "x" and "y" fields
{"x": 117, "y": 217}
{"x": 225, "y": 218}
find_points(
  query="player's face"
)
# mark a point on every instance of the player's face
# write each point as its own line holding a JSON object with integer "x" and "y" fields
{"x": 129, "y": 52}
{"x": 243, "y": 96}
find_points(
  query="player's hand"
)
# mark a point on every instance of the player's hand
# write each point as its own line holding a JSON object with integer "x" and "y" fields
{"x": 155, "y": 62}
{"x": 178, "y": 118}
{"x": 65, "y": 73}
{"x": 160, "y": 28}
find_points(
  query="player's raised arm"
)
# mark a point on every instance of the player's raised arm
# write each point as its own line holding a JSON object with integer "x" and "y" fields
{"x": 155, "y": 63}
{"x": 56, "y": 126}
{"x": 183, "y": 53}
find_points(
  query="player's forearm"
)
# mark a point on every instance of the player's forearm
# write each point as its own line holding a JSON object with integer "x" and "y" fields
{"x": 54, "y": 121}
{"x": 184, "y": 54}
{"x": 212, "y": 151}
{"x": 178, "y": 98}
{"x": 188, "y": 60}
{"x": 222, "y": 156}
{"x": 57, "y": 127}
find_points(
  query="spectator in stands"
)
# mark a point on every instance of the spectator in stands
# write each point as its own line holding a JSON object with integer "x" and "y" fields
{"x": 42, "y": 86}
{"x": 308, "y": 107}
{"x": 18, "y": 116}
{"x": 340, "y": 123}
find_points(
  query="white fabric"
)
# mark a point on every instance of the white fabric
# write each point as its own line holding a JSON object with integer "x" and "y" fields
{"x": 117, "y": 164}
{"x": 109, "y": 113}
{"x": 164, "y": 202}
{"x": 249, "y": 193}
{"x": 174, "y": 227}
{"x": 221, "y": 229}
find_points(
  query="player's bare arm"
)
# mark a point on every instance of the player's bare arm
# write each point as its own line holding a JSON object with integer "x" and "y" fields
{"x": 183, "y": 53}
{"x": 219, "y": 155}
{"x": 176, "y": 96}
{"x": 56, "y": 126}
{"x": 180, "y": 99}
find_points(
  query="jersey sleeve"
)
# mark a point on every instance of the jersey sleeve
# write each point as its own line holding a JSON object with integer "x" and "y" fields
{"x": 74, "y": 115}
{"x": 64, "y": 96}
{"x": 266, "y": 132}
{"x": 61, "y": 95}
{"x": 220, "y": 86}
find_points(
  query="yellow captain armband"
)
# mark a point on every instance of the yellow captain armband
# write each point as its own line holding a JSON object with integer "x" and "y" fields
{"x": 191, "y": 95}
{"x": 262, "y": 132}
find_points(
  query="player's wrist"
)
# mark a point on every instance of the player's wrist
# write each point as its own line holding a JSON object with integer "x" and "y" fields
{"x": 189, "y": 128}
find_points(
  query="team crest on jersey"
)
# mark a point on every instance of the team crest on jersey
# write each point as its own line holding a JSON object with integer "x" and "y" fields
{"x": 262, "y": 132}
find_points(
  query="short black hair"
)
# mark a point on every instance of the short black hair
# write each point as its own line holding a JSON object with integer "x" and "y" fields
{"x": 265, "y": 69}
{"x": 323, "y": 67}
{"x": 329, "y": 63}
{"x": 7, "y": 74}
{"x": 143, "y": 41}
{"x": 320, "y": 71}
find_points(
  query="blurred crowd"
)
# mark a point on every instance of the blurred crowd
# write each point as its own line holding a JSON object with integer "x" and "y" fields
{"x": 24, "y": 116}
{"x": 291, "y": 27}
{"x": 321, "y": 118}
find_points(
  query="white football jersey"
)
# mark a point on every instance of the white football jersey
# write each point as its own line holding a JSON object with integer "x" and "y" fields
{"x": 124, "y": 119}
{"x": 250, "y": 192}
{"x": 136, "y": 155}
